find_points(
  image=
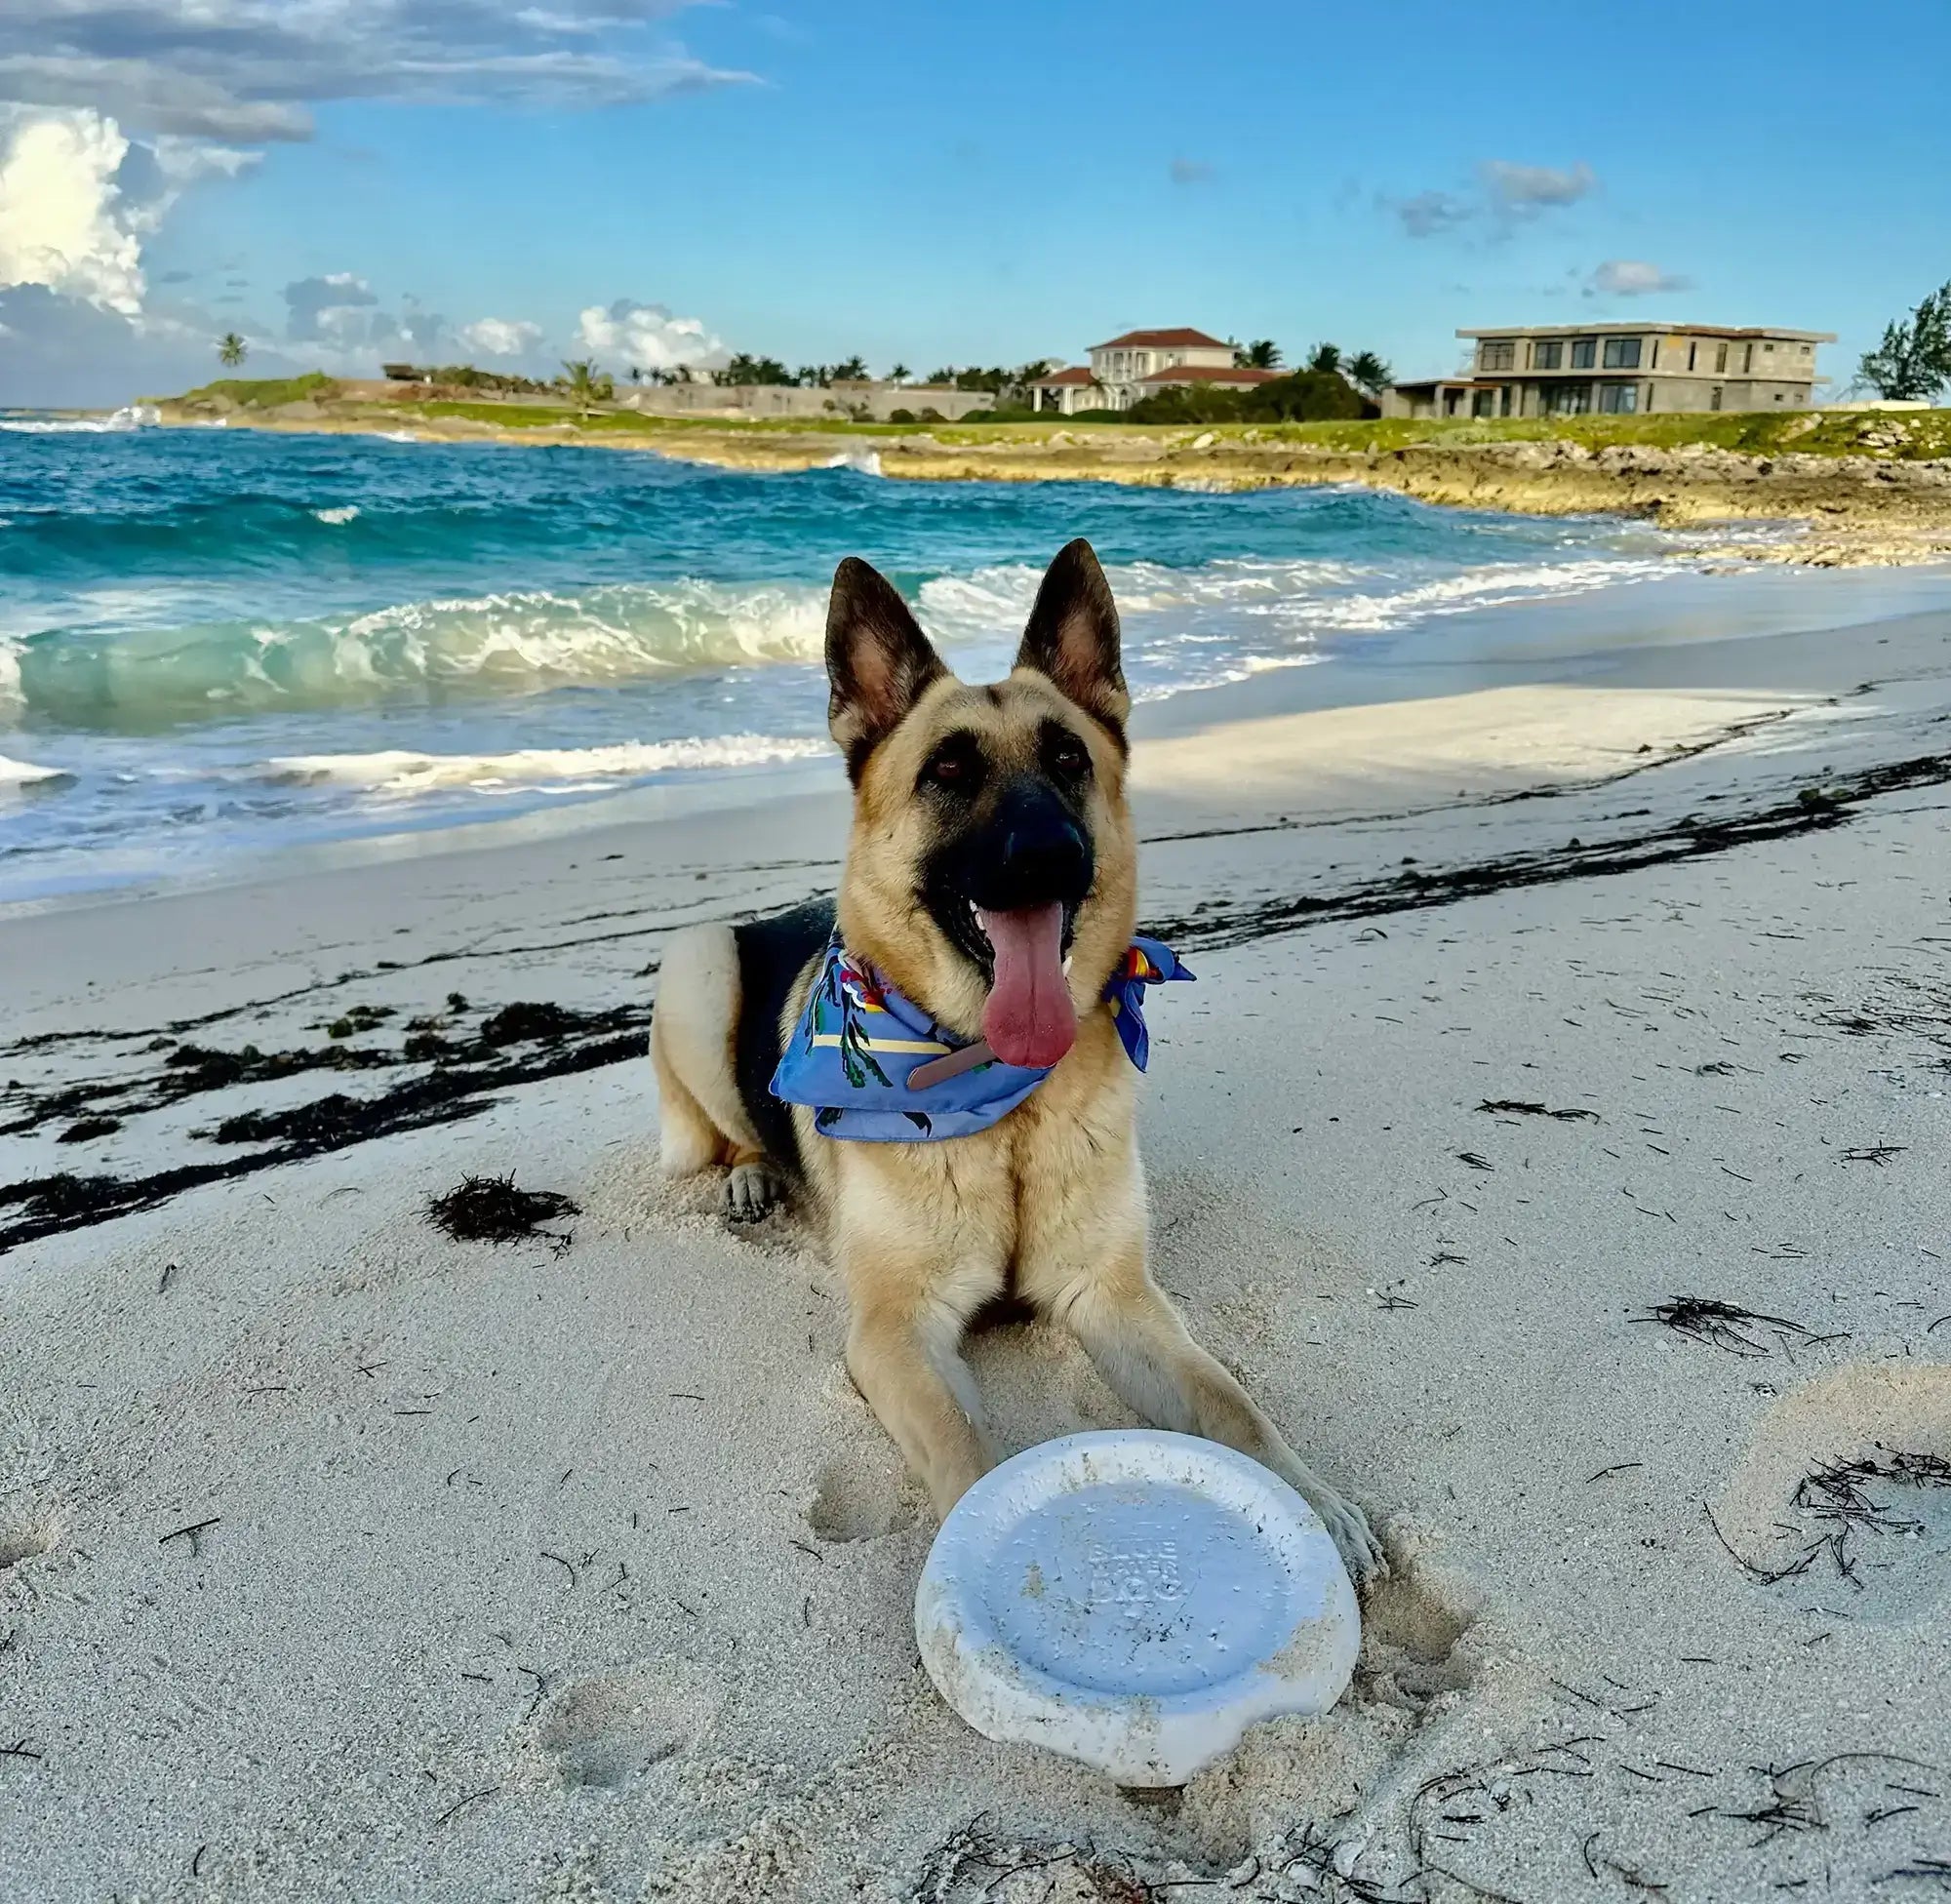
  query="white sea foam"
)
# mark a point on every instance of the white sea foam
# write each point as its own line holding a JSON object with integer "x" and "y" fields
{"x": 866, "y": 461}
{"x": 1238, "y": 607}
{"x": 16, "y": 774}
{"x": 345, "y": 512}
{"x": 399, "y": 772}
{"x": 131, "y": 417}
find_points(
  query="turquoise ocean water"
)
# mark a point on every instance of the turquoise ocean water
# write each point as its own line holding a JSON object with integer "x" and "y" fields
{"x": 217, "y": 644}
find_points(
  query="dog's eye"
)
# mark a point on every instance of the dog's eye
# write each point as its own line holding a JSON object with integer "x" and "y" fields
{"x": 957, "y": 763}
{"x": 1066, "y": 754}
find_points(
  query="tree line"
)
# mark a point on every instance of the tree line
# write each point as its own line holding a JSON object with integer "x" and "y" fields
{"x": 1924, "y": 340}
{"x": 1366, "y": 372}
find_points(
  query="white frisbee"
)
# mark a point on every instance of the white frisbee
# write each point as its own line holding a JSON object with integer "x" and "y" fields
{"x": 1135, "y": 1600}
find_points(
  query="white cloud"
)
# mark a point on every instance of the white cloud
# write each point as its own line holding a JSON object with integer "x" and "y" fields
{"x": 1526, "y": 189}
{"x": 499, "y": 336}
{"x": 1505, "y": 194}
{"x": 646, "y": 335}
{"x": 62, "y": 224}
{"x": 339, "y": 318}
{"x": 1430, "y": 214}
{"x": 1633, "y": 277}
{"x": 333, "y": 310}
{"x": 250, "y": 69}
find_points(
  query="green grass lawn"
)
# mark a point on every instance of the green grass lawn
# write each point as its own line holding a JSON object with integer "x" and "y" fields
{"x": 262, "y": 392}
{"x": 1918, "y": 433}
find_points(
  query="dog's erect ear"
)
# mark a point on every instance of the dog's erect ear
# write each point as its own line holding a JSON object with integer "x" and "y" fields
{"x": 1072, "y": 637}
{"x": 878, "y": 660}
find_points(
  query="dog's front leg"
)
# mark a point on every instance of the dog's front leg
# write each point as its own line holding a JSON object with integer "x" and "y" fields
{"x": 1147, "y": 1356}
{"x": 903, "y": 1351}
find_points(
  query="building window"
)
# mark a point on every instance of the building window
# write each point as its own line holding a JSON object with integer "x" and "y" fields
{"x": 1584, "y": 353}
{"x": 1618, "y": 399}
{"x": 1720, "y": 362}
{"x": 1747, "y": 360}
{"x": 1804, "y": 350}
{"x": 1692, "y": 352}
{"x": 1714, "y": 395}
{"x": 1504, "y": 401}
{"x": 1623, "y": 353}
{"x": 1500, "y": 354}
{"x": 1480, "y": 401}
{"x": 1565, "y": 399}
{"x": 1547, "y": 356}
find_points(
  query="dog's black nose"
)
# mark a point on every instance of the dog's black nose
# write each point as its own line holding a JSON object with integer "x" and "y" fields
{"x": 1040, "y": 854}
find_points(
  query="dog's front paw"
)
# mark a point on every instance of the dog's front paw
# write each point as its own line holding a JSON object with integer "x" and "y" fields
{"x": 752, "y": 1192}
{"x": 1360, "y": 1551}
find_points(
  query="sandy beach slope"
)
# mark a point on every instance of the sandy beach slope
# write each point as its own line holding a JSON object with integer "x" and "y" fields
{"x": 343, "y": 1560}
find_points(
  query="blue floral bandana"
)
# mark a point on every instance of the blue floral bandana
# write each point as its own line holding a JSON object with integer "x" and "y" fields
{"x": 875, "y": 1068}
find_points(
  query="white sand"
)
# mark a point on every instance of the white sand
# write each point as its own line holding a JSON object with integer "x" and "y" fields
{"x": 583, "y": 1574}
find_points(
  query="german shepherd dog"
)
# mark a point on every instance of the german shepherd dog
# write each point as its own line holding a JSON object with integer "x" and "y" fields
{"x": 991, "y": 878}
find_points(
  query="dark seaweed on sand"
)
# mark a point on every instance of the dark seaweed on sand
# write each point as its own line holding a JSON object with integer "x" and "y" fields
{"x": 491, "y": 1210}
{"x": 1523, "y": 1107}
{"x": 1835, "y": 1498}
{"x": 1725, "y": 1324}
{"x": 529, "y": 1043}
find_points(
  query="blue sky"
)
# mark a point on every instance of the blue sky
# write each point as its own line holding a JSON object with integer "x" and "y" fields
{"x": 449, "y": 177}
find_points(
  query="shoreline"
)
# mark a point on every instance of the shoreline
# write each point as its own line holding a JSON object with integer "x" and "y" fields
{"x": 1871, "y": 509}
{"x": 1801, "y": 648}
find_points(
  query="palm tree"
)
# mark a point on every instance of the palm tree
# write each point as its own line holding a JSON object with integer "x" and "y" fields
{"x": 580, "y": 385}
{"x": 1262, "y": 354}
{"x": 636, "y": 376}
{"x": 1324, "y": 357}
{"x": 1368, "y": 372}
{"x": 231, "y": 350}
{"x": 898, "y": 375}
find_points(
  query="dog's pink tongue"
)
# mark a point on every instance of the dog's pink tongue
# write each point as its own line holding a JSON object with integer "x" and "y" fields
{"x": 1030, "y": 1019}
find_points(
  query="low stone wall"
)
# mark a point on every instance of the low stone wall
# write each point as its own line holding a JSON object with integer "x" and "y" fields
{"x": 867, "y": 402}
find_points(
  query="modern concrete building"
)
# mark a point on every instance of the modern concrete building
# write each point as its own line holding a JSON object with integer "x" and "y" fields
{"x": 1568, "y": 370}
{"x": 1140, "y": 364}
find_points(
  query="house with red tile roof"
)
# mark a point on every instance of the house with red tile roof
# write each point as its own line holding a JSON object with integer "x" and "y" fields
{"x": 1138, "y": 364}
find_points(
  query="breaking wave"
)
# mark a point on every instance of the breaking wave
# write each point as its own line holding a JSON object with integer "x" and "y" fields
{"x": 507, "y": 643}
{"x": 1185, "y": 627}
{"x": 403, "y": 773}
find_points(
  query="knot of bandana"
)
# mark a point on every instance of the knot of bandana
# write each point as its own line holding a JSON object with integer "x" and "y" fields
{"x": 875, "y": 1068}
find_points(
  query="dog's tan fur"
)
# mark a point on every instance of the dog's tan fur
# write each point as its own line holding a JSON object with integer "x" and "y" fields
{"x": 1049, "y": 1204}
